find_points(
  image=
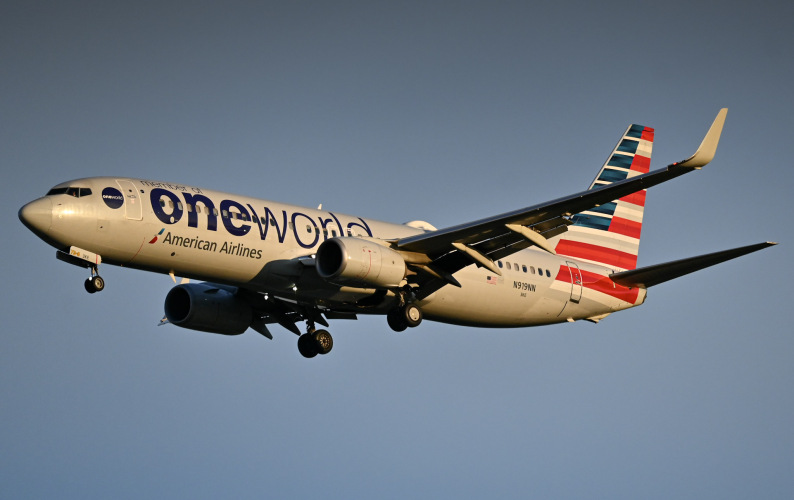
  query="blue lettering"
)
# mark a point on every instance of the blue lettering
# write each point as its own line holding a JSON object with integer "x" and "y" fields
{"x": 209, "y": 206}
{"x": 156, "y": 197}
{"x": 339, "y": 224}
{"x": 324, "y": 225}
{"x": 363, "y": 226}
{"x": 270, "y": 218}
{"x": 227, "y": 221}
{"x": 169, "y": 210}
{"x": 312, "y": 229}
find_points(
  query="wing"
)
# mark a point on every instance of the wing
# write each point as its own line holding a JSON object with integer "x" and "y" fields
{"x": 485, "y": 240}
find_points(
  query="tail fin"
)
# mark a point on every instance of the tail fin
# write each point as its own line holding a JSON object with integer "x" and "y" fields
{"x": 609, "y": 234}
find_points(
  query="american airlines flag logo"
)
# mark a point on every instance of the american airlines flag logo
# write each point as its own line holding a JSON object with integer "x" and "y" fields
{"x": 491, "y": 280}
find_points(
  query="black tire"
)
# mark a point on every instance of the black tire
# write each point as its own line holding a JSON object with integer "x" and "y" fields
{"x": 307, "y": 346}
{"x": 412, "y": 315}
{"x": 396, "y": 320}
{"x": 323, "y": 341}
{"x": 98, "y": 283}
{"x": 89, "y": 286}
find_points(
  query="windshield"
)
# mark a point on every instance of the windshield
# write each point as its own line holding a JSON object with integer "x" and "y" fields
{"x": 77, "y": 192}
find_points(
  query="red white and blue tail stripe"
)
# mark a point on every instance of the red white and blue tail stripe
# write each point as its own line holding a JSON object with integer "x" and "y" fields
{"x": 609, "y": 234}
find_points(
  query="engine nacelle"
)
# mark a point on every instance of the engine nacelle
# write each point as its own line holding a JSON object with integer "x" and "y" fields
{"x": 207, "y": 308}
{"x": 360, "y": 263}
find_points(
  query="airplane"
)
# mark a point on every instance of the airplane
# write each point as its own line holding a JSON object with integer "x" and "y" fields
{"x": 261, "y": 262}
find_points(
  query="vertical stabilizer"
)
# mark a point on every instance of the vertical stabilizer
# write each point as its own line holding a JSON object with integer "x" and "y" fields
{"x": 609, "y": 234}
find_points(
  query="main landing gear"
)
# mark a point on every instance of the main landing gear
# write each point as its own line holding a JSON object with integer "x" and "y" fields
{"x": 404, "y": 317}
{"x": 315, "y": 342}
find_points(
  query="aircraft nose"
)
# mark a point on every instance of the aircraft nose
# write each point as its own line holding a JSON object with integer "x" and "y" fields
{"x": 37, "y": 215}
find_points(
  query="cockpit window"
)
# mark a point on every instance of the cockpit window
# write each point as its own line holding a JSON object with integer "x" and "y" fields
{"x": 77, "y": 192}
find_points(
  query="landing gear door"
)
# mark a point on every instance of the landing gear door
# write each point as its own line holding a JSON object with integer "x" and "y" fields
{"x": 132, "y": 199}
{"x": 576, "y": 281}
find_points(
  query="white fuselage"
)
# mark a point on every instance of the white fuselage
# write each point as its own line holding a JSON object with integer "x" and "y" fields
{"x": 258, "y": 244}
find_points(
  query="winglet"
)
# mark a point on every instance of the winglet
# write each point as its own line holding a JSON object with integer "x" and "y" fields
{"x": 705, "y": 153}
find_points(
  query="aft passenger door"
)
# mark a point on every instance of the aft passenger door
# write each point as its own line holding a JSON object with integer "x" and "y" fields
{"x": 132, "y": 199}
{"x": 576, "y": 281}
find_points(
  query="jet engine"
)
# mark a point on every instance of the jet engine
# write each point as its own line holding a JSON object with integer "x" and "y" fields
{"x": 208, "y": 308}
{"x": 360, "y": 263}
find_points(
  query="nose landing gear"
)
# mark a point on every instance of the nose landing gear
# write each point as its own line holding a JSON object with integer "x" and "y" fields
{"x": 83, "y": 258}
{"x": 94, "y": 284}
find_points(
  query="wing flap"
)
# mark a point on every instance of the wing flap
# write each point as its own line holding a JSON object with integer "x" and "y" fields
{"x": 646, "y": 277}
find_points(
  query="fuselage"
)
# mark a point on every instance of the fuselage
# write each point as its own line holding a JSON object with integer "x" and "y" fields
{"x": 266, "y": 247}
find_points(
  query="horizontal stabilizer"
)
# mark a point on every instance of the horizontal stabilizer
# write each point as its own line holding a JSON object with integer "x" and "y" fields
{"x": 646, "y": 277}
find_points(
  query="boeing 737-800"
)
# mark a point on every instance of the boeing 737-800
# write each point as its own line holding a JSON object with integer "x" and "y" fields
{"x": 261, "y": 262}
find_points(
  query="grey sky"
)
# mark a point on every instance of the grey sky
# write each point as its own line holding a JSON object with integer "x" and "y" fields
{"x": 442, "y": 111}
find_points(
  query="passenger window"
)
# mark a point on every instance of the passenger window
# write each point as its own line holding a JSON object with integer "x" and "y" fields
{"x": 198, "y": 209}
{"x": 524, "y": 268}
{"x": 308, "y": 228}
{"x": 540, "y": 271}
{"x": 499, "y": 263}
{"x": 508, "y": 266}
{"x": 548, "y": 274}
{"x": 532, "y": 269}
{"x": 333, "y": 233}
{"x": 224, "y": 214}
